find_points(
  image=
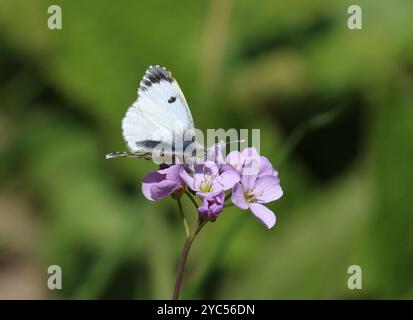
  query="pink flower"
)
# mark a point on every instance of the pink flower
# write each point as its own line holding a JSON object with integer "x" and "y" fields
{"x": 161, "y": 183}
{"x": 206, "y": 179}
{"x": 266, "y": 168}
{"x": 252, "y": 178}
{"x": 212, "y": 206}
{"x": 249, "y": 162}
{"x": 252, "y": 191}
{"x": 246, "y": 162}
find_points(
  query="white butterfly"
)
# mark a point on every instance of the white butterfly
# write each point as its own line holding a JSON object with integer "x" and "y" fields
{"x": 159, "y": 117}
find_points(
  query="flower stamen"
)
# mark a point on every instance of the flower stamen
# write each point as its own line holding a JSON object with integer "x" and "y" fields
{"x": 249, "y": 195}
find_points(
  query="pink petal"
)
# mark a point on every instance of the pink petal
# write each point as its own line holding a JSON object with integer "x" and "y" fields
{"x": 214, "y": 153}
{"x": 173, "y": 172}
{"x": 227, "y": 179}
{"x": 235, "y": 159}
{"x": 211, "y": 168}
{"x": 248, "y": 181}
{"x": 210, "y": 194}
{"x": 251, "y": 165}
{"x": 149, "y": 181}
{"x": 250, "y": 153}
{"x": 238, "y": 197}
{"x": 146, "y": 190}
{"x": 267, "y": 189}
{"x": 189, "y": 181}
{"x": 266, "y": 168}
{"x": 263, "y": 215}
{"x": 163, "y": 189}
{"x": 225, "y": 167}
{"x": 203, "y": 170}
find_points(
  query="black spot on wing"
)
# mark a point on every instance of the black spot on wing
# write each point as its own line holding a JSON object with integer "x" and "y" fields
{"x": 172, "y": 99}
{"x": 155, "y": 74}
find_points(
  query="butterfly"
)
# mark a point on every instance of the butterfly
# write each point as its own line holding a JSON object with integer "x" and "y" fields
{"x": 159, "y": 120}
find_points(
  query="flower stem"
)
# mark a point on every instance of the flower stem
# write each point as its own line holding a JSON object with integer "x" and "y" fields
{"x": 192, "y": 199}
{"x": 228, "y": 196}
{"x": 181, "y": 211}
{"x": 184, "y": 256}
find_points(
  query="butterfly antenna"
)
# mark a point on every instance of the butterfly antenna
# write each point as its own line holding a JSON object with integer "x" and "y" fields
{"x": 127, "y": 154}
{"x": 235, "y": 141}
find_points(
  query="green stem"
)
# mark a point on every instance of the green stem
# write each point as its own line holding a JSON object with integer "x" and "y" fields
{"x": 185, "y": 222}
{"x": 228, "y": 196}
{"x": 184, "y": 256}
{"x": 192, "y": 199}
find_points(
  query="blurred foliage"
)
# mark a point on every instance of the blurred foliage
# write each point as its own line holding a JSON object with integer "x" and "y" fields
{"x": 335, "y": 111}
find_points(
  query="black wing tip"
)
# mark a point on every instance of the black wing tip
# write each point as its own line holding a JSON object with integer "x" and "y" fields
{"x": 153, "y": 75}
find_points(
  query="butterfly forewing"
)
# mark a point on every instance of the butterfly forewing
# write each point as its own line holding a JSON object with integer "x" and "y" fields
{"x": 160, "y": 113}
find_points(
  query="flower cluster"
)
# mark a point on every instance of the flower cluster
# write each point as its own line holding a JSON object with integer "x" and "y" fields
{"x": 245, "y": 178}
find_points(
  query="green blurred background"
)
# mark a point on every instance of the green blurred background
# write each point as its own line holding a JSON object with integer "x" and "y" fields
{"x": 335, "y": 109}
